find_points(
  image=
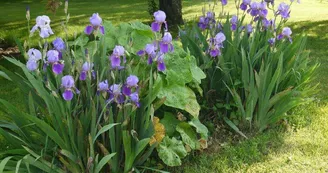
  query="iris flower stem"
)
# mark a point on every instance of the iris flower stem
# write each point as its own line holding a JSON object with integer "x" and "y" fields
{"x": 28, "y": 31}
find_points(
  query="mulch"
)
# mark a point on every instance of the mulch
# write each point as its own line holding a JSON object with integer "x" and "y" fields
{"x": 9, "y": 51}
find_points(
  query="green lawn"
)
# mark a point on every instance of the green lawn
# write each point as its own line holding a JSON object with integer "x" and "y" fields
{"x": 299, "y": 146}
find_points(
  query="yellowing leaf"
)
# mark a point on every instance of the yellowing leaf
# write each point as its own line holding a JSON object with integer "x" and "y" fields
{"x": 159, "y": 132}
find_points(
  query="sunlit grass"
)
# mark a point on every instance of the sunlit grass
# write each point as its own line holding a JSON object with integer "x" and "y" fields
{"x": 300, "y": 149}
{"x": 14, "y": 25}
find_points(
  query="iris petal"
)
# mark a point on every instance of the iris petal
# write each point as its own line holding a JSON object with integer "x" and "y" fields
{"x": 68, "y": 95}
{"x": 88, "y": 30}
{"x": 156, "y": 26}
{"x": 115, "y": 61}
{"x": 83, "y": 75}
{"x": 164, "y": 48}
{"x": 102, "y": 29}
{"x": 161, "y": 66}
{"x": 57, "y": 68}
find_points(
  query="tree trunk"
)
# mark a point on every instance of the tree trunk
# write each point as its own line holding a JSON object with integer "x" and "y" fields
{"x": 173, "y": 10}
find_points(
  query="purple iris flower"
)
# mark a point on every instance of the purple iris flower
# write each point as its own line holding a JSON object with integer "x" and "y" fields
{"x": 135, "y": 98}
{"x": 249, "y": 28}
{"x": 115, "y": 93}
{"x": 115, "y": 89}
{"x": 31, "y": 65}
{"x": 283, "y": 10}
{"x": 96, "y": 23}
{"x": 150, "y": 51}
{"x": 115, "y": 58}
{"x": 219, "y": 38}
{"x": 85, "y": 68}
{"x": 263, "y": 12}
{"x": 215, "y": 51}
{"x": 234, "y": 21}
{"x": 254, "y": 9}
{"x": 43, "y": 24}
{"x": 258, "y": 10}
{"x": 216, "y": 44}
{"x": 272, "y": 41}
{"x": 103, "y": 86}
{"x": 202, "y": 23}
{"x": 118, "y": 51}
{"x": 52, "y": 56}
{"x": 166, "y": 44}
{"x": 224, "y": 2}
{"x": 286, "y": 33}
{"x": 160, "y": 18}
{"x": 160, "y": 63}
{"x": 68, "y": 84}
{"x": 131, "y": 83}
{"x": 126, "y": 90}
{"x": 210, "y": 15}
{"x": 207, "y": 21}
{"x": 34, "y": 54}
{"x": 59, "y": 44}
{"x": 53, "y": 59}
{"x": 245, "y": 4}
{"x": 266, "y": 23}
{"x": 57, "y": 68}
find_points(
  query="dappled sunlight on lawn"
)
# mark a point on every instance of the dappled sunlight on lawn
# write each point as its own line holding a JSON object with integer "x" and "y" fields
{"x": 298, "y": 144}
{"x": 301, "y": 148}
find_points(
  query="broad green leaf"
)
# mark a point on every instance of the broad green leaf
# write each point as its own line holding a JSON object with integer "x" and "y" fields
{"x": 196, "y": 72}
{"x": 92, "y": 47}
{"x": 81, "y": 41}
{"x": 178, "y": 70}
{"x": 110, "y": 31}
{"x": 188, "y": 135}
{"x": 123, "y": 34}
{"x": 200, "y": 128}
{"x": 139, "y": 40}
{"x": 137, "y": 25}
{"x": 171, "y": 151}
{"x": 181, "y": 97}
{"x": 170, "y": 123}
